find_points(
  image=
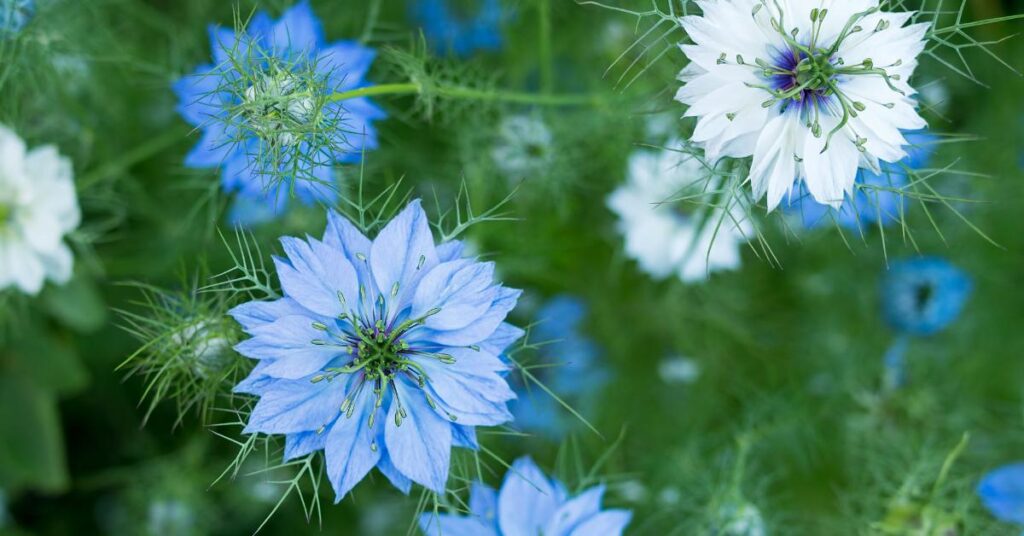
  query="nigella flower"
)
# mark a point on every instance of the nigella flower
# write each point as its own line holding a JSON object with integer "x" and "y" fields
{"x": 922, "y": 296}
{"x": 267, "y": 118}
{"x": 1002, "y": 493}
{"x": 15, "y": 15}
{"x": 812, "y": 94}
{"x": 524, "y": 147}
{"x": 38, "y": 207}
{"x": 572, "y": 368}
{"x": 452, "y": 27}
{"x": 881, "y": 202}
{"x": 665, "y": 240}
{"x": 528, "y": 504}
{"x": 382, "y": 353}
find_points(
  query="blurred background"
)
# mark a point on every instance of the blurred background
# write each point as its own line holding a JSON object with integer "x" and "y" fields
{"x": 763, "y": 390}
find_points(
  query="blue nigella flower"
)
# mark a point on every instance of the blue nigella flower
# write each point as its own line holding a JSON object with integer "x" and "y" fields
{"x": 922, "y": 296}
{"x": 382, "y": 353}
{"x": 264, "y": 114}
{"x": 867, "y": 207}
{"x": 529, "y": 504}
{"x": 451, "y": 28}
{"x": 14, "y": 16}
{"x": 575, "y": 372}
{"x": 1002, "y": 493}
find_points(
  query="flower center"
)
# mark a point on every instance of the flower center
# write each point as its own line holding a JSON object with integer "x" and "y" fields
{"x": 803, "y": 80}
{"x": 278, "y": 108}
{"x": 922, "y": 296}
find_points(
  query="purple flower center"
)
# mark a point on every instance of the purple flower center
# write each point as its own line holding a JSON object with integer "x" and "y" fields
{"x": 805, "y": 80}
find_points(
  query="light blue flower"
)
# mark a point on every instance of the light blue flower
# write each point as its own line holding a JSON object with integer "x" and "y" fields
{"x": 272, "y": 67}
{"x": 1002, "y": 493}
{"x": 922, "y": 296}
{"x": 529, "y": 504}
{"x": 450, "y": 28}
{"x": 571, "y": 368}
{"x": 869, "y": 207}
{"x": 382, "y": 353}
{"x": 14, "y": 16}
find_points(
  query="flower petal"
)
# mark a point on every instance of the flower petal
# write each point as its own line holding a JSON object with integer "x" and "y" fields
{"x": 421, "y": 446}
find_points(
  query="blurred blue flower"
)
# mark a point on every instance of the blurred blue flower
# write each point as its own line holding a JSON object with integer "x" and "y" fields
{"x": 453, "y": 29}
{"x": 529, "y": 503}
{"x": 268, "y": 68}
{"x": 922, "y": 296}
{"x": 15, "y": 15}
{"x": 572, "y": 369}
{"x": 1002, "y": 492}
{"x": 382, "y": 353}
{"x": 867, "y": 207}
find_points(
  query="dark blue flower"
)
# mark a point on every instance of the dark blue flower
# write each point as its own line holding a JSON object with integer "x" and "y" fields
{"x": 922, "y": 296}
{"x": 571, "y": 368}
{"x": 382, "y": 353}
{"x": 451, "y": 28}
{"x": 15, "y": 15}
{"x": 265, "y": 94}
{"x": 868, "y": 207}
{"x": 528, "y": 504}
{"x": 1002, "y": 492}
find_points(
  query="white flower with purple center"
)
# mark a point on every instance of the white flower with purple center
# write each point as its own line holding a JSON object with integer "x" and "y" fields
{"x": 529, "y": 504}
{"x": 383, "y": 353}
{"x": 812, "y": 90}
{"x": 265, "y": 108}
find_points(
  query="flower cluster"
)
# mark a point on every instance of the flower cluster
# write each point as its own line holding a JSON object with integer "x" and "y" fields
{"x": 529, "y": 503}
{"x": 382, "y": 353}
{"x": 38, "y": 207}
{"x": 268, "y": 120}
{"x": 666, "y": 241}
{"x": 811, "y": 94}
{"x": 923, "y": 296}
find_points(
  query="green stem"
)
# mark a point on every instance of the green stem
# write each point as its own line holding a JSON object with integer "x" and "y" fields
{"x": 547, "y": 72}
{"x": 467, "y": 93}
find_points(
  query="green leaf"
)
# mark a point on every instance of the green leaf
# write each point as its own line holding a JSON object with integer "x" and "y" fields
{"x": 32, "y": 452}
{"x": 77, "y": 304}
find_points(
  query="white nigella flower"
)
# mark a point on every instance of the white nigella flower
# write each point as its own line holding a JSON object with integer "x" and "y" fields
{"x": 524, "y": 146}
{"x": 811, "y": 89}
{"x": 662, "y": 238}
{"x": 38, "y": 206}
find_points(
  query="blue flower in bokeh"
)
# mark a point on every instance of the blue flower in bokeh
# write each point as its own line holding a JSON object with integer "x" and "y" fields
{"x": 870, "y": 206}
{"x": 1002, "y": 492}
{"x": 14, "y": 16}
{"x": 528, "y": 504}
{"x": 382, "y": 353}
{"x": 572, "y": 369}
{"x": 922, "y": 296}
{"x": 453, "y": 29}
{"x": 255, "y": 99}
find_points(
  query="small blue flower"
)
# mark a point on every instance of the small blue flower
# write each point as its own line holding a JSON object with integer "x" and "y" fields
{"x": 528, "y": 504}
{"x": 572, "y": 369}
{"x": 1002, "y": 492}
{"x": 267, "y": 68}
{"x": 867, "y": 207}
{"x": 922, "y": 296}
{"x": 382, "y": 353}
{"x": 450, "y": 29}
{"x": 14, "y": 16}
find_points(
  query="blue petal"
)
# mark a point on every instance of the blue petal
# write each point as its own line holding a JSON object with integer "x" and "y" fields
{"x": 288, "y": 343}
{"x": 451, "y": 250}
{"x": 527, "y": 500}
{"x": 215, "y": 148}
{"x": 344, "y": 236}
{"x": 421, "y": 447}
{"x": 460, "y": 289}
{"x": 483, "y": 502}
{"x": 388, "y": 469}
{"x": 478, "y": 331}
{"x": 303, "y": 443}
{"x": 288, "y": 407}
{"x": 450, "y": 525}
{"x": 471, "y": 389}
{"x": 318, "y": 276}
{"x": 346, "y": 64}
{"x": 403, "y": 252}
{"x": 254, "y": 314}
{"x": 350, "y": 451}
{"x": 1002, "y": 492}
{"x": 249, "y": 212}
{"x": 298, "y": 30}
{"x": 504, "y": 336}
{"x": 464, "y": 437}
{"x": 560, "y": 315}
{"x": 199, "y": 101}
{"x": 257, "y": 381}
{"x": 607, "y": 523}
{"x": 574, "y": 512}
